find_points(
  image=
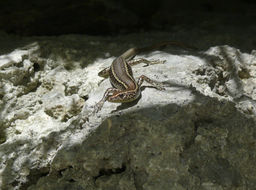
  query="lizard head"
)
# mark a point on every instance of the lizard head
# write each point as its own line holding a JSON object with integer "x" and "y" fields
{"x": 104, "y": 73}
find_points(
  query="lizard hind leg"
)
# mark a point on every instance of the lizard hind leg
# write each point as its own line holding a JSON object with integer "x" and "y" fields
{"x": 155, "y": 84}
{"x": 147, "y": 62}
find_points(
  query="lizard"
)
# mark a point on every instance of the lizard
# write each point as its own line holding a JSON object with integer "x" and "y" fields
{"x": 125, "y": 87}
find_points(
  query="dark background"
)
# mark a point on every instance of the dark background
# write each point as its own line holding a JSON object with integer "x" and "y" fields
{"x": 112, "y": 17}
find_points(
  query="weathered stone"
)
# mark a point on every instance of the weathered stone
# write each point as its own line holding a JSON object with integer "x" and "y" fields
{"x": 200, "y": 133}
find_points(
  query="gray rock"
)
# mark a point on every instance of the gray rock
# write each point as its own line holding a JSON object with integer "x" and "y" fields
{"x": 199, "y": 133}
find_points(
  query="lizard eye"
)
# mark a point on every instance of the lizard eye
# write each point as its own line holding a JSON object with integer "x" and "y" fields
{"x": 121, "y": 96}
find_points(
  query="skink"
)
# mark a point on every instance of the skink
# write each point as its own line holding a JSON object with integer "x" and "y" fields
{"x": 125, "y": 87}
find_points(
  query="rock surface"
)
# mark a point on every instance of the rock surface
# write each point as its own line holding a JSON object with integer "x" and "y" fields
{"x": 200, "y": 133}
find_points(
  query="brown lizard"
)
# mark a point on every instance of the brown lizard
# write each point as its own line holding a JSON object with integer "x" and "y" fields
{"x": 125, "y": 87}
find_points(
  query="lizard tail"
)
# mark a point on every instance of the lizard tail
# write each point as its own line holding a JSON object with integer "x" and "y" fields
{"x": 129, "y": 54}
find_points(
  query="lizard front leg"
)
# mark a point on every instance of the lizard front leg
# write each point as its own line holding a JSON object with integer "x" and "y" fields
{"x": 108, "y": 93}
{"x": 155, "y": 84}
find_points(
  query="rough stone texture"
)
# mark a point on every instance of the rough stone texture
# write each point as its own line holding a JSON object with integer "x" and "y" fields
{"x": 199, "y": 133}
